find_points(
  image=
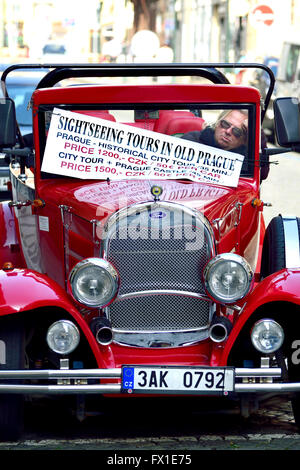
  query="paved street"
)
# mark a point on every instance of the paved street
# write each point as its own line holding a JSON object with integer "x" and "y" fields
{"x": 281, "y": 188}
{"x": 211, "y": 427}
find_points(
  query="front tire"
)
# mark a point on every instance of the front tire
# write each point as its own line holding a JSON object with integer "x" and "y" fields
{"x": 12, "y": 357}
{"x": 273, "y": 254}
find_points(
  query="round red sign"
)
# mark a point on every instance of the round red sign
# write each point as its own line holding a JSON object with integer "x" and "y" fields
{"x": 263, "y": 14}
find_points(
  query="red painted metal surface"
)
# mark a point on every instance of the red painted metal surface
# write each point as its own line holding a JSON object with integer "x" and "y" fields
{"x": 145, "y": 93}
{"x": 282, "y": 286}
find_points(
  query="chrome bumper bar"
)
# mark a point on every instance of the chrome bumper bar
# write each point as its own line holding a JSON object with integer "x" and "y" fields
{"x": 253, "y": 381}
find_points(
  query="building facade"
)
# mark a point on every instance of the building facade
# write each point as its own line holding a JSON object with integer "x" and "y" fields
{"x": 195, "y": 30}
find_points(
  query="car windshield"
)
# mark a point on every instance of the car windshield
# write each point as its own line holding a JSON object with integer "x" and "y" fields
{"x": 191, "y": 137}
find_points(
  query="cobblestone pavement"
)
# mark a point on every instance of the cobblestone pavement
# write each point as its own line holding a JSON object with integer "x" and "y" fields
{"x": 270, "y": 428}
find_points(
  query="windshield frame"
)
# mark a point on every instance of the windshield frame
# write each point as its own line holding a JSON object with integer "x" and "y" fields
{"x": 43, "y": 116}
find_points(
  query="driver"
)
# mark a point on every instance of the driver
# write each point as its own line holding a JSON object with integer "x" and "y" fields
{"x": 229, "y": 132}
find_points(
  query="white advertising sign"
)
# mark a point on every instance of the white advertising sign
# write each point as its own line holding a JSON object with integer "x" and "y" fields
{"x": 87, "y": 147}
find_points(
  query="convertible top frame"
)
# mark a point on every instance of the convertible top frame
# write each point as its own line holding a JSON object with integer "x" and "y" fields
{"x": 210, "y": 71}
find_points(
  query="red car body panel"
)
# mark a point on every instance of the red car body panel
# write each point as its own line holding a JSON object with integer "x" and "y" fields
{"x": 26, "y": 290}
{"x": 282, "y": 286}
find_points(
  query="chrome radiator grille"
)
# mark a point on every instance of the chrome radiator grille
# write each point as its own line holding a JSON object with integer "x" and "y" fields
{"x": 154, "y": 263}
{"x": 160, "y": 313}
{"x": 160, "y": 251}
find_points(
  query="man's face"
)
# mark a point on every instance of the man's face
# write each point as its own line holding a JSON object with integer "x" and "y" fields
{"x": 230, "y": 131}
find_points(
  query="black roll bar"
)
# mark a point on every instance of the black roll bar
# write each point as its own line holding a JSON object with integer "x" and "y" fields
{"x": 209, "y": 71}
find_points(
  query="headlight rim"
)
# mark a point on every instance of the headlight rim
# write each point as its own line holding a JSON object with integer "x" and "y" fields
{"x": 262, "y": 350}
{"x": 228, "y": 257}
{"x": 74, "y": 345}
{"x": 101, "y": 263}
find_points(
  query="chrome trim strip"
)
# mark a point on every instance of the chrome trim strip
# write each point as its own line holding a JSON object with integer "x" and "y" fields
{"x": 61, "y": 374}
{"x": 61, "y": 389}
{"x": 162, "y": 292}
{"x": 255, "y": 372}
{"x": 115, "y": 373}
{"x": 118, "y": 330}
{"x": 116, "y": 388}
{"x": 160, "y": 339}
{"x": 292, "y": 246}
{"x": 267, "y": 388}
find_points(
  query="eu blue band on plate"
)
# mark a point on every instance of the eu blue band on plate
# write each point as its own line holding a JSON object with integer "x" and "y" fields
{"x": 128, "y": 378}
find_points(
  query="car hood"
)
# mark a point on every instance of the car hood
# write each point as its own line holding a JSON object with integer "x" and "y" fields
{"x": 98, "y": 200}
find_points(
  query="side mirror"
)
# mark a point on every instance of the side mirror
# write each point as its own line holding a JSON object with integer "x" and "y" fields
{"x": 7, "y": 123}
{"x": 287, "y": 121}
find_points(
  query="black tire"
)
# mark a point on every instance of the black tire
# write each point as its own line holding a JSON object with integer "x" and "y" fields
{"x": 13, "y": 351}
{"x": 273, "y": 253}
{"x": 273, "y": 259}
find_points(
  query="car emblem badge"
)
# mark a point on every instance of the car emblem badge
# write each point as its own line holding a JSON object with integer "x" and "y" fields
{"x": 157, "y": 215}
{"x": 156, "y": 191}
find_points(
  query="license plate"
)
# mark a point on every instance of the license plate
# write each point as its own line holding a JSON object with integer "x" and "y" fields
{"x": 196, "y": 380}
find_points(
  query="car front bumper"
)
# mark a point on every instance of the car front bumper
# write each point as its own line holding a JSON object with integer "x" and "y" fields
{"x": 68, "y": 381}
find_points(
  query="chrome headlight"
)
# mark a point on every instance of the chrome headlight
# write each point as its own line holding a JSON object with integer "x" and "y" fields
{"x": 94, "y": 282}
{"x": 63, "y": 337}
{"x": 228, "y": 277}
{"x": 267, "y": 336}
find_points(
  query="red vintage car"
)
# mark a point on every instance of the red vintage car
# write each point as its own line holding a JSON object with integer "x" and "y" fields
{"x": 135, "y": 261}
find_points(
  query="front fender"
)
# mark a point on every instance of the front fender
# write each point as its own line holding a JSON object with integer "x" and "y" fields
{"x": 24, "y": 290}
{"x": 282, "y": 286}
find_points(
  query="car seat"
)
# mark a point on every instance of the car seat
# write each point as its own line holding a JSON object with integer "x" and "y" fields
{"x": 99, "y": 113}
{"x": 166, "y": 115}
{"x": 179, "y": 126}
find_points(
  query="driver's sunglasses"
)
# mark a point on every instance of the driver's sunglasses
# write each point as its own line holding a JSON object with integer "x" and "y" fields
{"x": 236, "y": 131}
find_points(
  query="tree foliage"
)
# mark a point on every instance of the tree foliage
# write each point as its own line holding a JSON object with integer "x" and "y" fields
{"x": 145, "y": 14}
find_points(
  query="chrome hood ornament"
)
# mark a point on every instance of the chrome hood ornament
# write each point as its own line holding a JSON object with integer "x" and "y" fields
{"x": 156, "y": 192}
